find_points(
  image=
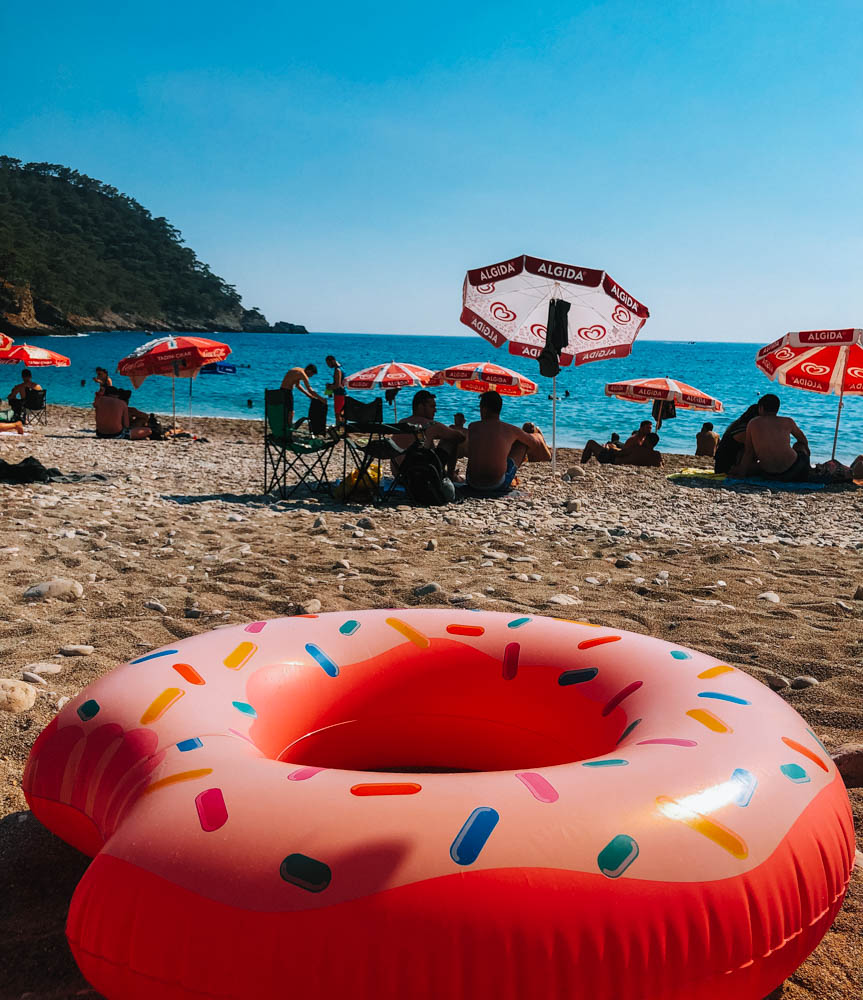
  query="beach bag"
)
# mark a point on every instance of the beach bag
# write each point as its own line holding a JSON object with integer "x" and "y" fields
{"x": 318, "y": 417}
{"x": 423, "y": 477}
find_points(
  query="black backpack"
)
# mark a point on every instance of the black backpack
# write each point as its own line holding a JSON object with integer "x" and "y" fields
{"x": 423, "y": 475}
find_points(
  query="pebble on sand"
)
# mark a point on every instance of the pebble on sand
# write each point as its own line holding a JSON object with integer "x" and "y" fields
{"x": 849, "y": 762}
{"x": 564, "y": 599}
{"x": 804, "y": 681}
{"x": 426, "y": 588}
{"x": 59, "y": 587}
{"x": 769, "y": 595}
{"x": 43, "y": 668}
{"x": 77, "y": 650}
{"x": 155, "y": 606}
{"x": 311, "y": 607}
{"x": 32, "y": 678}
{"x": 16, "y": 696}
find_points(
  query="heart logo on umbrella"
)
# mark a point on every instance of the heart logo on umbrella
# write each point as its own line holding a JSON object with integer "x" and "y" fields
{"x": 485, "y": 289}
{"x": 811, "y": 369}
{"x": 595, "y": 332}
{"x": 502, "y": 313}
{"x": 538, "y": 330}
{"x": 621, "y": 315}
{"x": 784, "y": 354}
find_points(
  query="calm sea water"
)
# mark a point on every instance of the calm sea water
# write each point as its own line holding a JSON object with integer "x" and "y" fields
{"x": 726, "y": 371}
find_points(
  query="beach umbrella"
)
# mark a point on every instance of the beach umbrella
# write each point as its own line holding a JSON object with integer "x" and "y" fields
{"x": 178, "y": 356}
{"x": 391, "y": 375}
{"x": 5, "y": 341}
{"x": 513, "y": 302}
{"x": 481, "y": 376}
{"x": 648, "y": 390}
{"x": 825, "y": 361}
{"x": 32, "y": 357}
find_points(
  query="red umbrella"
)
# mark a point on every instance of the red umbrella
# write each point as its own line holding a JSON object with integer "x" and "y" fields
{"x": 647, "y": 390}
{"x": 481, "y": 376}
{"x": 825, "y": 361}
{"x": 177, "y": 356}
{"x": 32, "y": 357}
{"x": 393, "y": 375}
{"x": 5, "y": 341}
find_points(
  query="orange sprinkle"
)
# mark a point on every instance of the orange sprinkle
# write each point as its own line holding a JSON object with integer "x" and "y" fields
{"x": 709, "y": 719}
{"x": 417, "y": 638}
{"x": 727, "y": 839}
{"x": 240, "y": 656}
{"x": 387, "y": 788}
{"x": 465, "y": 629}
{"x": 188, "y": 673}
{"x": 805, "y": 751}
{"x": 600, "y": 641}
{"x": 715, "y": 672}
{"x": 157, "y": 708}
{"x": 174, "y": 779}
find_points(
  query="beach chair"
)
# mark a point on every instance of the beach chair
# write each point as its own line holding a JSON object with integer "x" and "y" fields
{"x": 291, "y": 449}
{"x": 34, "y": 410}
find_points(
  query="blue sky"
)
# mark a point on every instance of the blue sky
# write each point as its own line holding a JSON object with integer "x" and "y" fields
{"x": 344, "y": 164}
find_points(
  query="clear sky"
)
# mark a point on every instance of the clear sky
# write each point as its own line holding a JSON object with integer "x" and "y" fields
{"x": 343, "y": 164}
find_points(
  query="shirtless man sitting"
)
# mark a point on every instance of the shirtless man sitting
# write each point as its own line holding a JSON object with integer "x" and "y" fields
{"x": 298, "y": 378}
{"x": 496, "y": 449}
{"x": 19, "y": 394}
{"x": 635, "y": 451}
{"x": 112, "y": 419}
{"x": 767, "y": 450}
{"x": 423, "y": 409}
{"x": 706, "y": 441}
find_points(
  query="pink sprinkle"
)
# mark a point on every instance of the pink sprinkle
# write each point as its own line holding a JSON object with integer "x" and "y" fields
{"x": 254, "y": 626}
{"x": 243, "y": 736}
{"x": 540, "y": 788}
{"x": 212, "y": 811}
{"x": 668, "y": 741}
{"x": 618, "y": 698}
{"x": 510, "y": 660}
{"x": 302, "y": 773}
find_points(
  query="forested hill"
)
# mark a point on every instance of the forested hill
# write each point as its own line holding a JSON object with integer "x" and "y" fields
{"x": 77, "y": 254}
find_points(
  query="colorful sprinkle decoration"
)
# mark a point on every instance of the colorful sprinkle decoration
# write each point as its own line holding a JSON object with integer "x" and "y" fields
{"x": 184, "y": 746}
{"x": 326, "y": 664}
{"x": 245, "y": 708}
{"x": 795, "y": 773}
{"x": 305, "y": 872}
{"x": 212, "y": 811}
{"x": 577, "y": 676}
{"x": 88, "y": 710}
{"x": 409, "y": 632}
{"x": 349, "y": 627}
{"x": 153, "y": 656}
{"x": 472, "y": 837}
{"x": 517, "y": 622}
{"x": 617, "y": 855}
{"x": 510, "y": 660}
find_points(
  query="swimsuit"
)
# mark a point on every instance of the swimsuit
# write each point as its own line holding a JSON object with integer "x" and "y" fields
{"x": 504, "y": 483}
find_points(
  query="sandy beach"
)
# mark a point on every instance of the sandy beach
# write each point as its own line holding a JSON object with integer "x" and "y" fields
{"x": 178, "y": 538}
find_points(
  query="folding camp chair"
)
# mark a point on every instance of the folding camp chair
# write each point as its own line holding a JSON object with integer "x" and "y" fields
{"x": 289, "y": 450}
{"x": 34, "y": 410}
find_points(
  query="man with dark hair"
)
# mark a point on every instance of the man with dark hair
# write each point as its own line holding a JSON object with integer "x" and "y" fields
{"x": 448, "y": 439}
{"x": 497, "y": 449}
{"x": 767, "y": 449}
{"x": 19, "y": 394}
{"x": 298, "y": 378}
{"x": 336, "y": 387}
{"x": 706, "y": 441}
{"x": 635, "y": 451}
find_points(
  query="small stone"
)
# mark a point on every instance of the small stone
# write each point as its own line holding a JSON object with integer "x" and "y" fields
{"x": 342, "y": 564}
{"x": 367, "y": 523}
{"x": 858, "y": 593}
{"x": 60, "y": 588}
{"x": 521, "y": 577}
{"x": 638, "y": 579}
{"x": 43, "y": 668}
{"x": 576, "y": 472}
{"x": 16, "y": 696}
{"x": 319, "y": 522}
{"x": 632, "y": 557}
{"x": 769, "y": 595}
{"x": 192, "y": 613}
{"x": 776, "y": 682}
{"x": 573, "y": 506}
{"x": 621, "y": 564}
{"x": 155, "y": 606}
{"x": 311, "y": 607}
{"x": 662, "y": 574}
{"x": 33, "y": 678}
{"x": 535, "y": 576}
{"x": 563, "y": 599}
{"x": 849, "y": 761}
{"x": 62, "y": 701}
{"x": 235, "y": 517}
{"x": 804, "y": 681}
{"x": 77, "y": 650}
{"x": 431, "y": 545}
{"x": 426, "y": 588}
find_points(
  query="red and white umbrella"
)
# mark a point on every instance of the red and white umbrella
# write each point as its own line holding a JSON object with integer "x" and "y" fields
{"x": 648, "y": 390}
{"x": 825, "y": 361}
{"x": 32, "y": 357}
{"x": 481, "y": 376}
{"x": 392, "y": 375}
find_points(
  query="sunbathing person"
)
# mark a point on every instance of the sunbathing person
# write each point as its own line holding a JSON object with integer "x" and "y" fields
{"x": 635, "y": 451}
{"x": 112, "y": 419}
{"x": 298, "y": 378}
{"x": 729, "y": 451}
{"x": 445, "y": 440}
{"x": 15, "y": 428}
{"x": 497, "y": 449}
{"x": 767, "y": 449}
{"x": 614, "y": 443}
{"x": 706, "y": 441}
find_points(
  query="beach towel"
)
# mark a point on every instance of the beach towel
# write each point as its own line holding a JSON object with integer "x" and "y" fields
{"x": 706, "y": 474}
{"x": 773, "y": 484}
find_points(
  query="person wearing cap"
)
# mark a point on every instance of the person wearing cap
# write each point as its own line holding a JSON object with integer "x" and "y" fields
{"x": 445, "y": 440}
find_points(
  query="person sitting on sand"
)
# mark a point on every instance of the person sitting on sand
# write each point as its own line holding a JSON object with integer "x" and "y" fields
{"x": 15, "y": 428}
{"x": 706, "y": 441}
{"x": 448, "y": 439}
{"x": 767, "y": 449}
{"x": 19, "y": 394}
{"x": 299, "y": 378}
{"x": 497, "y": 449}
{"x": 103, "y": 380}
{"x": 635, "y": 451}
{"x": 638, "y": 437}
{"x": 729, "y": 451}
{"x": 614, "y": 443}
{"x": 112, "y": 419}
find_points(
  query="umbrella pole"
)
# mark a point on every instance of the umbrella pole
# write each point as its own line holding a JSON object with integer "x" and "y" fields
{"x": 395, "y": 409}
{"x": 838, "y": 415}
{"x": 173, "y": 403}
{"x": 554, "y": 426}
{"x": 190, "y": 405}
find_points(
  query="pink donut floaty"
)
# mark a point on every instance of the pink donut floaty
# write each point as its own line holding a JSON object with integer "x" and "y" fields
{"x": 438, "y": 804}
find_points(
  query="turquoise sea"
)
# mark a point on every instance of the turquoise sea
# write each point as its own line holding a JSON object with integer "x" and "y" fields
{"x": 726, "y": 371}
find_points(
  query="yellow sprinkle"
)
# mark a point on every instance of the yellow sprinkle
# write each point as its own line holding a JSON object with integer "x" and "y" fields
{"x": 410, "y": 633}
{"x": 715, "y": 672}
{"x": 161, "y": 705}
{"x": 727, "y": 839}
{"x": 174, "y": 779}
{"x": 709, "y": 719}
{"x": 240, "y": 656}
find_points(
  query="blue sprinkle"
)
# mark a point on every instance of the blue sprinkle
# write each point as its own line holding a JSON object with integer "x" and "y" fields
{"x": 245, "y": 708}
{"x": 193, "y": 744}
{"x": 154, "y": 656}
{"x": 577, "y": 676}
{"x": 88, "y": 710}
{"x": 617, "y": 855}
{"x": 611, "y": 762}
{"x": 473, "y": 835}
{"x": 517, "y": 622}
{"x": 795, "y": 773}
{"x": 318, "y": 654}
{"x": 814, "y": 737}
{"x": 349, "y": 627}
{"x": 723, "y": 697}
{"x": 747, "y": 782}
{"x": 627, "y": 731}
{"x": 678, "y": 654}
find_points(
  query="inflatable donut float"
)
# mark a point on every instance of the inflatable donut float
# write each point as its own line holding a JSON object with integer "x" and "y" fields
{"x": 435, "y": 804}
